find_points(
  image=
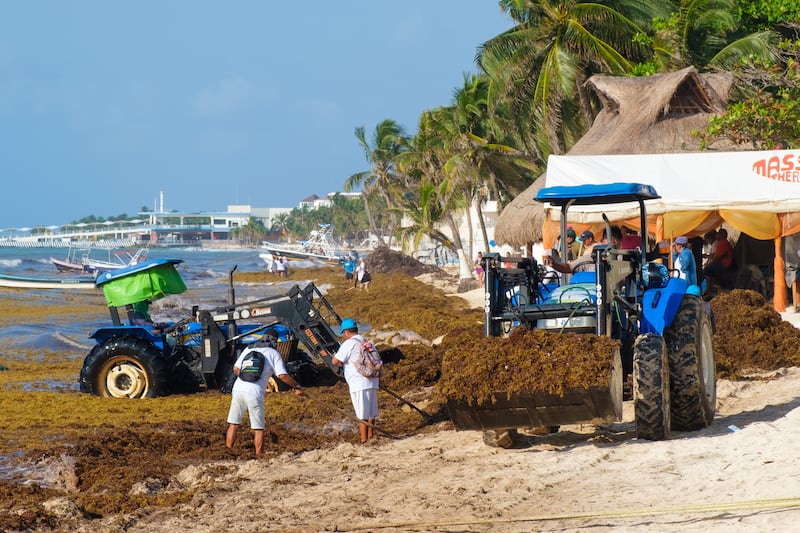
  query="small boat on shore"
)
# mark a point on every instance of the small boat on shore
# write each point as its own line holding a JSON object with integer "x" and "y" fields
{"x": 80, "y": 260}
{"x": 24, "y": 282}
{"x": 297, "y": 255}
{"x": 319, "y": 247}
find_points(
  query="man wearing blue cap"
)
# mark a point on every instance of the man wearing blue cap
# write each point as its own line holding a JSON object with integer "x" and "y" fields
{"x": 683, "y": 261}
{"x": 363, "y": 390}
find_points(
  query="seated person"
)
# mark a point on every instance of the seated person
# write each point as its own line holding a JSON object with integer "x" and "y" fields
{"x": 141, "y": 317}
{"x": 721, "y": 260}
{"x": 616, "y": 237}
{"x": 709, "y": 246}
{"x": 584, "y": 263}
{"x": 549, "y": 273}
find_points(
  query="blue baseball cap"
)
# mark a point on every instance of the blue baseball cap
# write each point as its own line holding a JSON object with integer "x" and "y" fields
{"x": 347, "y": 323}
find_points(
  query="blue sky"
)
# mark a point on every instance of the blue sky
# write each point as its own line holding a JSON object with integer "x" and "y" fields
{"x": 104, "y": 103}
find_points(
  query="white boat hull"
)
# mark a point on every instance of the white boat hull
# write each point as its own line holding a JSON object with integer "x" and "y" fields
{"x": 21, "y": 282}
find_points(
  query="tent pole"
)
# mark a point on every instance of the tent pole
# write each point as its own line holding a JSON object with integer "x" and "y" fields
{"x": 779, "y": 299}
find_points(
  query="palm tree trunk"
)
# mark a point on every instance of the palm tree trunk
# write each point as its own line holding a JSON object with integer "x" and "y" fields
{"x": 583, "y": 98}
{"x": 390, "y": 207}
{"x": 470, "y": 243}
{"x": 466, "y": 281}
{"x": 373, "y": 228}
{"x": 482, "y": 222}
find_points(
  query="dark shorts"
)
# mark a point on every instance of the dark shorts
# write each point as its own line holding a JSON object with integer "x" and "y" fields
{"x": 713, "y": 270}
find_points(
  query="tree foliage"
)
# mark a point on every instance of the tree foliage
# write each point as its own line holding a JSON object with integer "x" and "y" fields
{"x": 766, "y": 113}
{"x": 346, "y": 215}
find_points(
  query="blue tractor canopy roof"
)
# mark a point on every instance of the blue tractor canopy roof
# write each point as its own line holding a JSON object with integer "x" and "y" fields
{"x": 146, "y": 281}
{"x": 590, "y": 194}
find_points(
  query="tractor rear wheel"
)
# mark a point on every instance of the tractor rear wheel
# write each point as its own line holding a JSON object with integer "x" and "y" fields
{"x": 651, "y": 387}
{"x": 125, "y": 367}
{"x": 692, "y": 371}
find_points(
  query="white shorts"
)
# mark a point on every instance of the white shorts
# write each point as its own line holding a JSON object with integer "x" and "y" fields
{"x": 365, "y": 402}
{"x": 242, "y": 403}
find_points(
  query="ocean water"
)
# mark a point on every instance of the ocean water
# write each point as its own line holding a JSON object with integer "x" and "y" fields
{"x": 199, "y": 263}
{"x": 206, "y": 274}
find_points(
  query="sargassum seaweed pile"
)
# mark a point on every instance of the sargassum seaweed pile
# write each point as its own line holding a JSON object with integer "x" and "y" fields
{"x": 475, "y": 369}
{"x": 750, "y": 335}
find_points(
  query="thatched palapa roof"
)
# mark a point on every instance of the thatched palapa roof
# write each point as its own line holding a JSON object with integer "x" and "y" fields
{"x": 652, "y": 114}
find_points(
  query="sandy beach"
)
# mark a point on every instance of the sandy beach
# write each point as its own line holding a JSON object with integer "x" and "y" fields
{"x": 740, "y": 474}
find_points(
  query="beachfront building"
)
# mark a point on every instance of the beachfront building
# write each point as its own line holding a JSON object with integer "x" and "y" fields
{"x": 175, "y": 227}
{"x": 199, "y": 227}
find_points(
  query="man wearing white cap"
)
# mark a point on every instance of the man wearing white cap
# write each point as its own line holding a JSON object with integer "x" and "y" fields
{"x": 683, "y": 259}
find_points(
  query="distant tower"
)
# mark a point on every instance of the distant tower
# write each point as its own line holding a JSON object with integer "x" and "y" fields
{"x": 161, "y": 201}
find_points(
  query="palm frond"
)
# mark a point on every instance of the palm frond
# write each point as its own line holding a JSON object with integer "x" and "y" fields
{"x": 756, "y": 45}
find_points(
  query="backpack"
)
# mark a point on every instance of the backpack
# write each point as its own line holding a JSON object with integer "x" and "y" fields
{"x": 368, "y": 362}
{"x": 252, "y": 366}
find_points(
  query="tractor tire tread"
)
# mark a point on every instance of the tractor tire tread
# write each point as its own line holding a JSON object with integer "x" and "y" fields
{"x": 691, "y": 407}
{"x": 147, "y": 356}
{"x": 651, "y": 387}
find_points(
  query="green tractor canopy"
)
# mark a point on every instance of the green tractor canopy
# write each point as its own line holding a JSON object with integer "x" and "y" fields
{"x": 149, "y": 281}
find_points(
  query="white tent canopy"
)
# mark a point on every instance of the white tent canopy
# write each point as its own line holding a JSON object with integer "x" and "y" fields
{"x": 757, "y": 192}
{"x": 763, "y": 181}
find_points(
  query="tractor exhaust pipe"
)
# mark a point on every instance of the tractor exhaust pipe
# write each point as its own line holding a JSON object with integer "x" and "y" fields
{"x": 232, "y": 301}
{"x": 231, "y": 291}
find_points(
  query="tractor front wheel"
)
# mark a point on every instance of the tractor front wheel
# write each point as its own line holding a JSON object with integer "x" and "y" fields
{"x": 692, "y": 371}
{"x": 651, "y": 387}
{"x": 125, "y": 367}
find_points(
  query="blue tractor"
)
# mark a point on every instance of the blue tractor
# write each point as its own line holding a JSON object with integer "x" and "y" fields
{"x": 665, "y": 359}
{"x": 135, "y": 358}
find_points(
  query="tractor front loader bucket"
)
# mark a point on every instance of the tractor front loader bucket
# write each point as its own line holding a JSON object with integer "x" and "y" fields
{"x": 535, "y": 409}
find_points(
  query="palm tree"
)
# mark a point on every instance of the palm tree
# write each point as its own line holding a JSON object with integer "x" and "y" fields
{"x": 425, "y": 212}
{"x": 423, "y": 165}
{"x": 703, "y": 33}
{"x": 479, "y": 160}
{"x": 280, "y": 223}
{"x": 252, "y": 232}
{"x": 388, "y": 142}
{"x": 538, "y": 68}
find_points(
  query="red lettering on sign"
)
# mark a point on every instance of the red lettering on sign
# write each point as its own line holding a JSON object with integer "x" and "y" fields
{"x": 786, "y": 168}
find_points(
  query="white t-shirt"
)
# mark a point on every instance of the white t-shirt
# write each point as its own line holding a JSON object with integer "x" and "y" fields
{"x": 709, "y": 250}
{"x": 273, "y": 365}
{"x": 550, "y": 275}
{"x": 360, "y": 269}
{"x": 347, "y": 351}
{"x": 679, "y": 273}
